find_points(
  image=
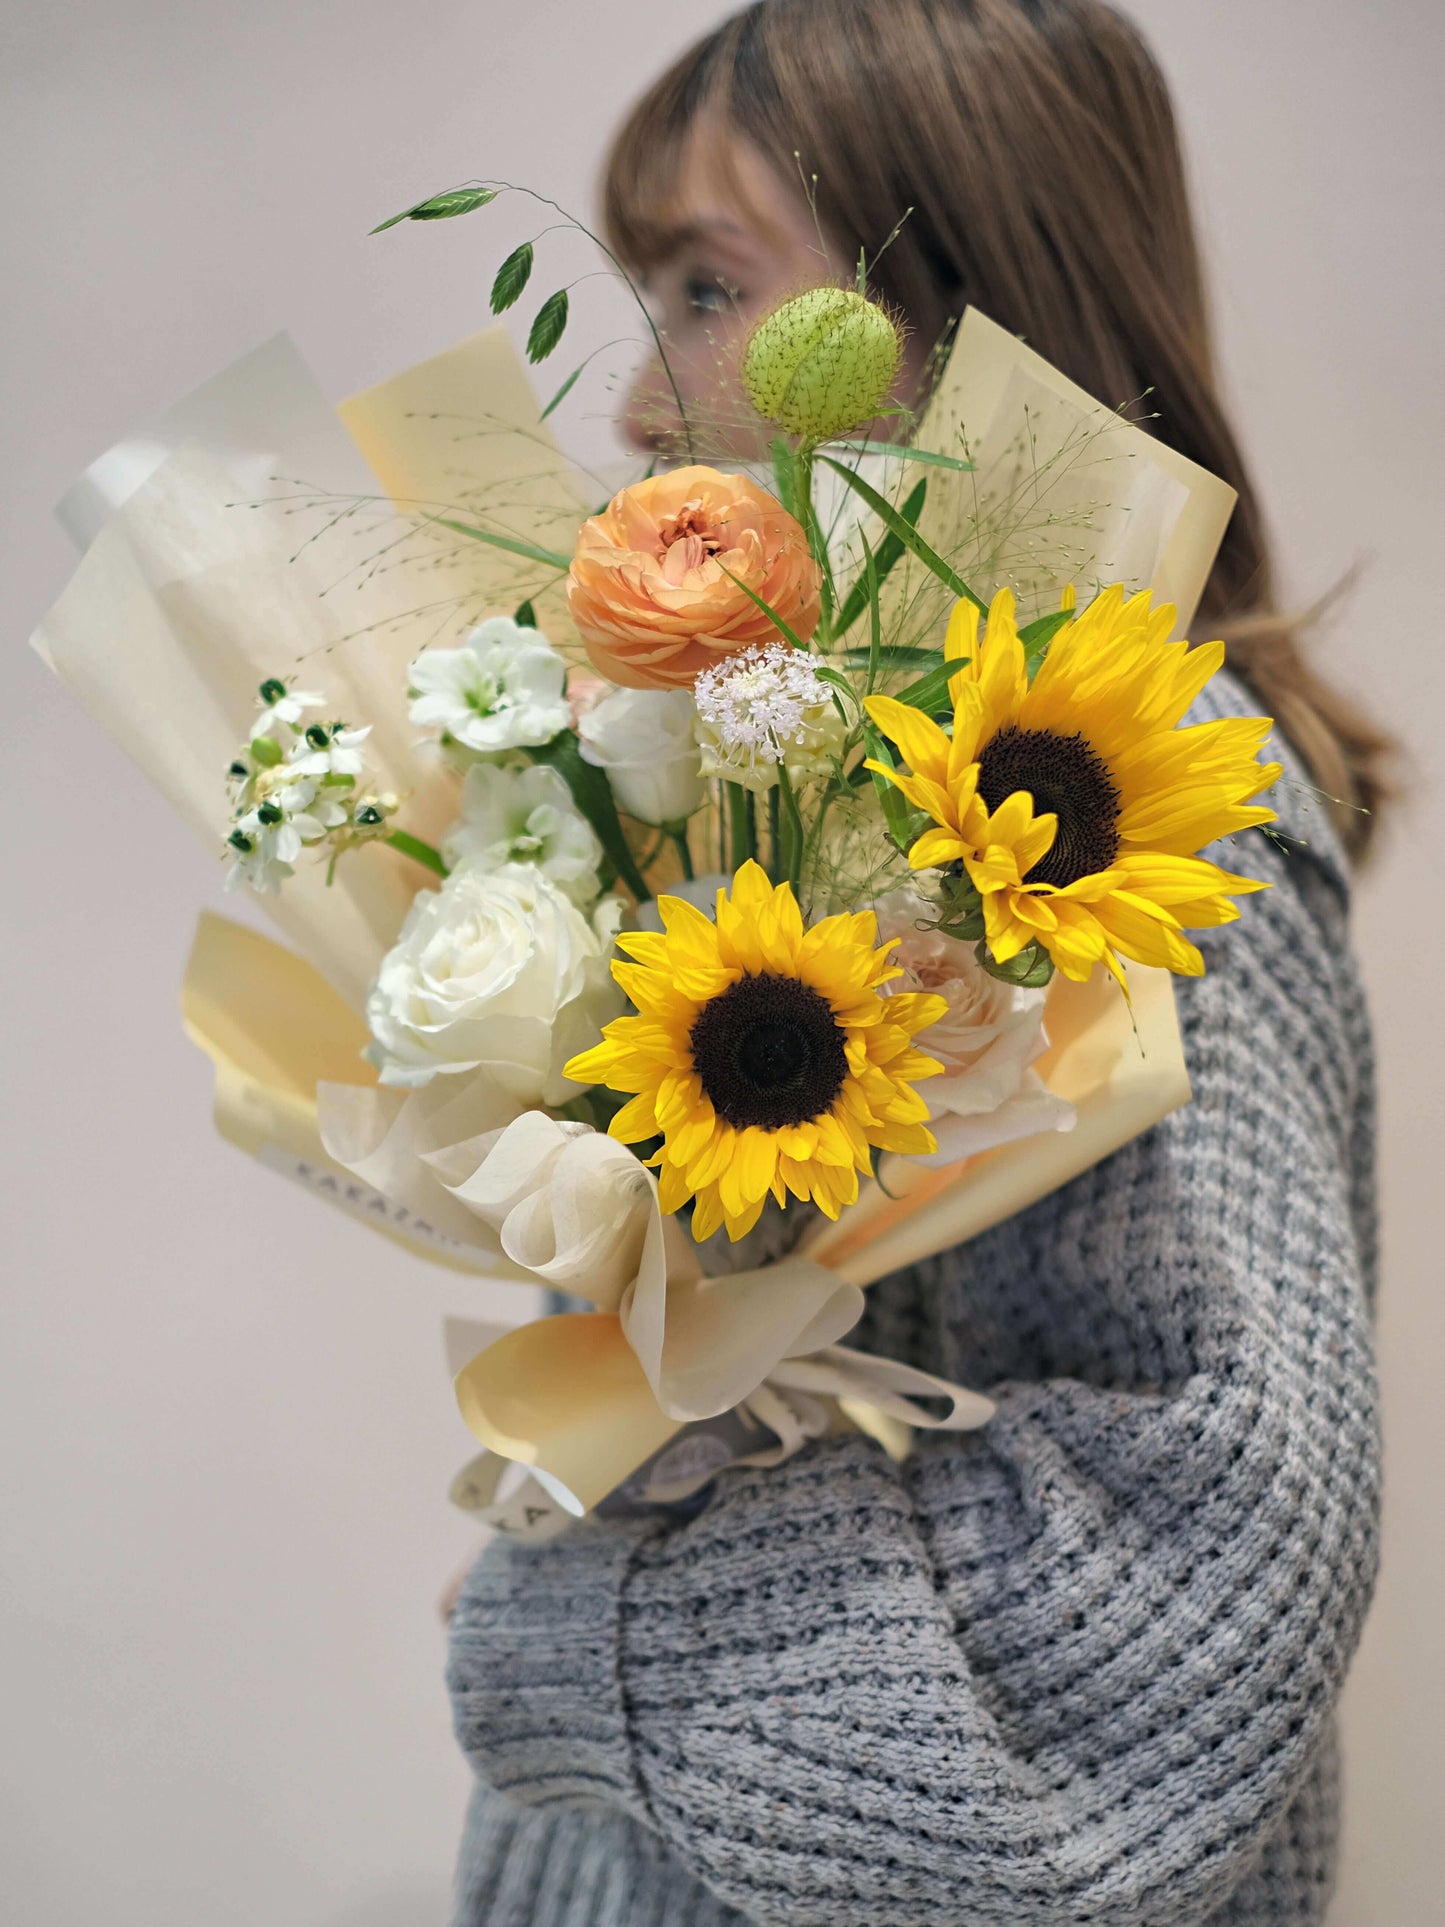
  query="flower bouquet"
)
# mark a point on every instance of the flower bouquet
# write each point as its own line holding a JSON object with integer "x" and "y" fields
{"x": 702, "y": 905}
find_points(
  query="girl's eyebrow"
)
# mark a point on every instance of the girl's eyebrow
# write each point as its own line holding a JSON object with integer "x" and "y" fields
{"x": 676, "y": 236}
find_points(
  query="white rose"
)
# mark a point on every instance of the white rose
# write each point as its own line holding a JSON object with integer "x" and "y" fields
{"x": 643, "y": 739}
{"x": 524, "y": 816}
{"x": 986, "y": 1042}
{"x": 503, "y": 689}
{"x": 497, "y": 969}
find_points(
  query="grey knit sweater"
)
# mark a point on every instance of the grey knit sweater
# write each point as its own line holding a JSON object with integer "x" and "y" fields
{"x": 1079, "y": 1666}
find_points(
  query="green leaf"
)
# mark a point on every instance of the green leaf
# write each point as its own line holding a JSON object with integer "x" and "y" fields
{"x": 968, "y": 928}
{"x": 564, "y": 391}
{"x": 1030, "y": 969}
{"x": 592, "y": 793}
{"x": 925, "y": 456}
{"x": 875, "y": 614}
{"x": 419, "y": 852}
{"x": 1037, "y": 635}
{"x": 891, "y": 800}
{"x": 442, "y": 207}
{"x": 553, "y": 558}
{"x": 838, "y": 681}
{"x": 907, "y": 534}
{"x": 900, "y": 655}
{"x": 789, "y": 635}
{"x": 889, "y": 550}
{"x": 511, "y": 278}
{"x": 930, "y": 692}
{"x": 547, "y": 328}
{"x": 525, "y": 616}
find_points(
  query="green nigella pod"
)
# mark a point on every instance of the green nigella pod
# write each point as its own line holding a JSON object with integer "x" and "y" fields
{"x": 823, "y": 363}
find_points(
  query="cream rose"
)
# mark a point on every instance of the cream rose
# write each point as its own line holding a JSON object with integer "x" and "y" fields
{"x": 989, "y": 1094}
{"x": 497, "y": 969}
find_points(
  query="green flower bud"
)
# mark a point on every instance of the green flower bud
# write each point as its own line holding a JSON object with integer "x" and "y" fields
{"x": 266, "y": 751}
{"x": 272, "y": 690}
{"x": 822, "y": 363}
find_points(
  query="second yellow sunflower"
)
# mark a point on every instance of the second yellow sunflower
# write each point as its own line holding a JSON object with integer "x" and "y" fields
{"x": 1075, "y": 803}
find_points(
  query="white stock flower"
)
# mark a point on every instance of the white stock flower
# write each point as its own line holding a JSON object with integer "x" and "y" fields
{"x": 643, "y": 739}
{"x": 503, "y": 689}
{"x": 524, "y": 816}
{"x": 497, "y": 970}
{"x": 766, "y": 706}
{"x": 987, "y": 1041}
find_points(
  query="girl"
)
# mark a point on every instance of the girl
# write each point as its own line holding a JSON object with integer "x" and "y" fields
{"x": 1082, "y": 1665}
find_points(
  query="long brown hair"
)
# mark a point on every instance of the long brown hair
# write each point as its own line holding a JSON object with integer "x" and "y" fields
{"x": 1035, "y": 143}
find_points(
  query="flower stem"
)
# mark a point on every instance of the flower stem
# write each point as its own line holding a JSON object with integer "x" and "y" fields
{"x": 792, "y": 829}
{"x": 678, "y": 834}
{"x": 817, "y": 540}
{"x": 418, "y": 851}
{"x": 740, "y": 825}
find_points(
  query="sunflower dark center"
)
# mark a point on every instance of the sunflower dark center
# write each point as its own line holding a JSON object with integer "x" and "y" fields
{"x": 769, "y": 1053}
{"x": 1065, "y": 776}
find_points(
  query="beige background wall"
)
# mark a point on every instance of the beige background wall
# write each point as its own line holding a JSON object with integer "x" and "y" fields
{"x": 226, "y": 1425}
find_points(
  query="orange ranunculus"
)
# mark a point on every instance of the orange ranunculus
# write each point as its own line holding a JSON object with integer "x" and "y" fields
{"x": 651, "y": 590}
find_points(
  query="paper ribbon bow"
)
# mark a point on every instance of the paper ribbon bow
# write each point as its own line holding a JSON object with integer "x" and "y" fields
{"x": 585, "y": 1398}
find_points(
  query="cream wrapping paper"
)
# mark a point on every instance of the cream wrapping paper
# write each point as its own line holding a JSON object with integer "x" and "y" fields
{"x": 245, "y": 536}
{"x": 251, "y": 533}
{"x": 1066, "y": 489}
{"x": 585, "y": 1400}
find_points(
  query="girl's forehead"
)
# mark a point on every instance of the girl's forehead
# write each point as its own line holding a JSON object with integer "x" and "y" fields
{"x": 725, "y": 195}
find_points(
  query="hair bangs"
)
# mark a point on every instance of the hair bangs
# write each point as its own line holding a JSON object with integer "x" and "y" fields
{"x": 641, "y": 209}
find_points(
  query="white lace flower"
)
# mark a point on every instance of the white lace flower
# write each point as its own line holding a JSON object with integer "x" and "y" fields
{"x": 503, "y": 689}
{"x": 524, "y": 816}
{"x": 763, "y": 707}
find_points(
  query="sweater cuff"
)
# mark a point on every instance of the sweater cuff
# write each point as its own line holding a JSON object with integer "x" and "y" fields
{"x": 537, "y": 1697}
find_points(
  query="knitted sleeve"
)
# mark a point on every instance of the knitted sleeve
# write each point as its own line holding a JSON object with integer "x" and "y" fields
{"x": 1072, "y": 1667}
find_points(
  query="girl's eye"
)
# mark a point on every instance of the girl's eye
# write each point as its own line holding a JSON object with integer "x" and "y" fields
{"x": 709, "y": 294}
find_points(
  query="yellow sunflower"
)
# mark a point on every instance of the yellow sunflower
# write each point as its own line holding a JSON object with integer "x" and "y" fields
{"x": 764, "y": 1055}
{"x": 1076, "y": 804}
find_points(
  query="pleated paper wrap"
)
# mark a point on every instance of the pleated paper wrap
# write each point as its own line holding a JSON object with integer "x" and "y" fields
{"x": 256, "y": 531}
